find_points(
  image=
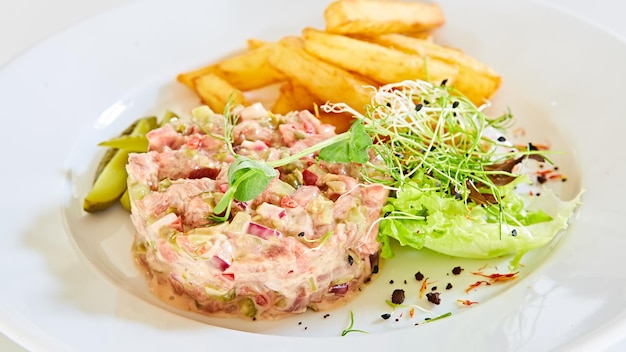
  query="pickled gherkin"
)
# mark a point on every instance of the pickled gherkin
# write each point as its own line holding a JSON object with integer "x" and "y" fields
{"x": 111, "y": 177}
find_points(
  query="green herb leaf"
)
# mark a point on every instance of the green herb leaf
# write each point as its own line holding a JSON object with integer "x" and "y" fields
{"x": 250, "y": 177}
{"x": 355, "y": 149}
{"x": 452, "y": 227}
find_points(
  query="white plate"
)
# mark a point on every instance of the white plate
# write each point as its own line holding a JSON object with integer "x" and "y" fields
{"x": 562, "y": 81}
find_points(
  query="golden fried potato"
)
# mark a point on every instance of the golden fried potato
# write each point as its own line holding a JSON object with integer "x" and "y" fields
{"x": 245, "y": 71}
{"x": 426, "y": 35}
{"x": 249, "y": 70}
{"x": 216, "y": 92}
{"x": 327, "y": 82}
{"x": 476, "y": 80}
{"x": 379, "y": 17}
{"x": 381, "y": 64}
{"x": 188, "y": 78}
{"x": 294, "y": 97}
{"x": 254, "y": 43}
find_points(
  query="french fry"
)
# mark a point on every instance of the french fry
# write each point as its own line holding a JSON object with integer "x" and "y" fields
{"x": 426, "y": 35}
{"x": 246, "y": 71}
{"x": 476, "y": 80}
{"x": 379, "y": 17}
{"x": 382, "y": 64}
{"x": 249, "y": 70}
{"x": 367, "y": 43}
{"x": 216, "y": 92}
{"x": 327, "y": 82}
{"x": 292, "y": 40}
{"x": 188, "y": 78}
{"x": 294, "y": 97}
{"x": 254, "y": 43}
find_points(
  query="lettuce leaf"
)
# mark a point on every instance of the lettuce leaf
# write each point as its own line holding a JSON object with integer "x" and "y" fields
{"x": 424, "y": 217}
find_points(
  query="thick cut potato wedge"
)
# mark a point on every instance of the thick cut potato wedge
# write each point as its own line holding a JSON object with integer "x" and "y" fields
{"x": 246, "y": 71}
{"x": 426, "y": 35}
{"x": 188, "y": 78}
{"x": 379, "y": 17}
{"x": 476, "y": 80}
{"x": 294, "y": 97}
{"x": 216, "y": 92}
{"x": 255, "y": 43}
{"x": 327, "y": 82}
{"x": 383, "y": 65}
{"x": 250, "y": 70}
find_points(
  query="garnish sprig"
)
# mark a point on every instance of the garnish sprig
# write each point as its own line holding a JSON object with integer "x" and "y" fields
{"x": 420, "y": 129}
{"x": 415, "y": 130}
{"x": 350, "y": 327}
{"x": 247, "y": 178}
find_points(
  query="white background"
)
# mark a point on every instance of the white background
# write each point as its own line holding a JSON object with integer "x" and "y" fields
{"x": 24, "y": 23}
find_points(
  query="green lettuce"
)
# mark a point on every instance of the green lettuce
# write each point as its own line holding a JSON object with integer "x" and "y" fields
{"x": 422, "y": 216}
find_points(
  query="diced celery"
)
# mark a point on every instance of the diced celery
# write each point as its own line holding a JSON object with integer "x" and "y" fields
{"x": 240, "y": 223}
{"x": 281, "y": 188}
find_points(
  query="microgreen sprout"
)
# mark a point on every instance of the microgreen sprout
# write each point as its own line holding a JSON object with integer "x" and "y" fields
{"x": 321, "y": 239}
{"x": 350, "y": 327}
{"x": 445, "y": 138}
{"x": 445, "y": 315}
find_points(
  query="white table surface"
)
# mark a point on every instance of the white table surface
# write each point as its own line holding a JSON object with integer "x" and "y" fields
{"x": 24, "y": 23}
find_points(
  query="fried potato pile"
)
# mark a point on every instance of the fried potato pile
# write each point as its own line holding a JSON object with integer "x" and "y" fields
{"x": 365, "y": 43}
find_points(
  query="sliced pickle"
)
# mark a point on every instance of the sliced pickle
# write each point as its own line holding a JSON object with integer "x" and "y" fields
{"x": 111, "y": 151}
{"x": 125, "y": 200}
{"x": 167, "y": 117}
{"x": 111, "y": 181}
{"x": 247, "y": 307}
{"x": 136, "y": 144}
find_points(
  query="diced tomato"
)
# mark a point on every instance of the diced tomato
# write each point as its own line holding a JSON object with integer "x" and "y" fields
{"x": 194, "y": 143}
{"x": 287, "y": 202}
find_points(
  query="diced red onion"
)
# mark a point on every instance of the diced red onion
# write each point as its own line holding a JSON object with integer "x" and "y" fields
{"x": 261, "y": 231}
{"x": 219, "y": 263}
{"x": 309, "y": 178}
{"x": 339, "y": 289}
{"x": 241, "y": 205}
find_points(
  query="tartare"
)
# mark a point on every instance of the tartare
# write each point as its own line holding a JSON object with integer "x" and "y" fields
{"x": 308, "y": 241}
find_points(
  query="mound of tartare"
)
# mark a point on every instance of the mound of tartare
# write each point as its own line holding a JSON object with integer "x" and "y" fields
{"x": 307, "y": 241}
